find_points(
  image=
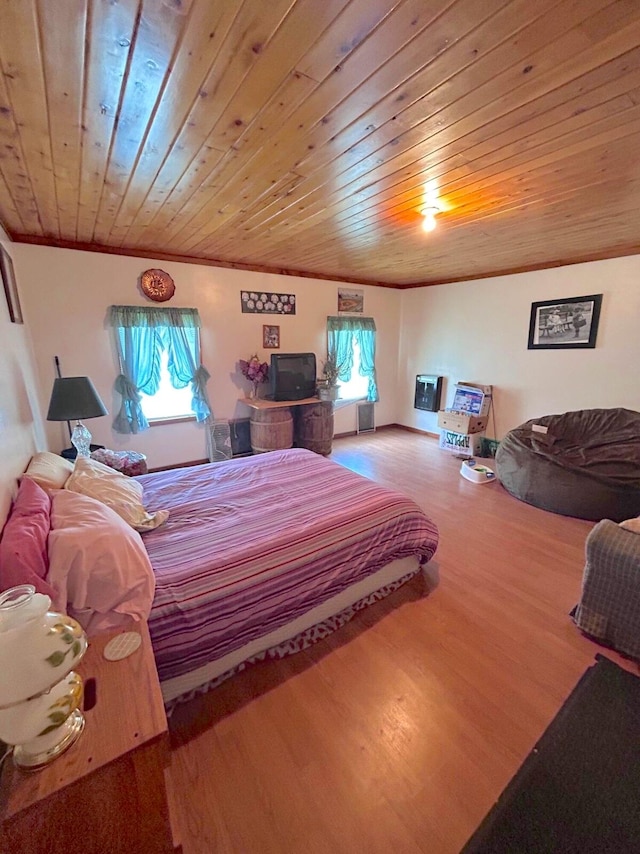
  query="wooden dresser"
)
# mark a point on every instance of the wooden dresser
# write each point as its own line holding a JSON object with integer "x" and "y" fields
{"x": 107, "y": 793}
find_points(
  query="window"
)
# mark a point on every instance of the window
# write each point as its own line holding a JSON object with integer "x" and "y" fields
{"x": 161, "y": 375}
{"x": 357, "y": 385}
{"x": 167, "y": 402}
{"x": 351, "y": 341}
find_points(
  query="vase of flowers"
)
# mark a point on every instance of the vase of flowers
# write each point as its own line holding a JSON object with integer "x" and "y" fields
{"x": 255, "y": 371}
{"x": 328, "y": 387}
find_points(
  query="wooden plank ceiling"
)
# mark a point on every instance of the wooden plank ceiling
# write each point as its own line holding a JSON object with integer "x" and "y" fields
{"x": 301, "y": 135}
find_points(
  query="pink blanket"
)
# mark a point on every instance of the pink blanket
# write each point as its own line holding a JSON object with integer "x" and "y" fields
{"x": 253, "y": 543}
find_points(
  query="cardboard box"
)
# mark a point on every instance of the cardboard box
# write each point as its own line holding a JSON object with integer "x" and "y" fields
{"x": 472, "y": 398}
{"x": 460, "y": 443}
{"x": 461, "y": 422}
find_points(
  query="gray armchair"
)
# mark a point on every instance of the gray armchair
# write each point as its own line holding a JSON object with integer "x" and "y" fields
{"x": 609, "y": 608}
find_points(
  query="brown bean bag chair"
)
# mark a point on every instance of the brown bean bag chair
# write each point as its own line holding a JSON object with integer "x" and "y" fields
{"x": 586, "y": 465}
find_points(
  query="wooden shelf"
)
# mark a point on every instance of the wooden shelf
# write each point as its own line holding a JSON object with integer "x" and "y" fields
{"x": 260, "y": 403}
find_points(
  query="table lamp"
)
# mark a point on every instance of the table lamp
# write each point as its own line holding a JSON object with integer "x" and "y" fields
{"x": 40, "y": 694}
{"x": 73, "y": 398}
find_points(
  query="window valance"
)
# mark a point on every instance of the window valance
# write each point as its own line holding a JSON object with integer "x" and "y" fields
{"x": 128, "y": 316}
{"x": 351, "y": 324}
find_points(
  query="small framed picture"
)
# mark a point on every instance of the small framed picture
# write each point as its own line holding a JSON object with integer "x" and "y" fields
{"x": 565, "y": 324}
{"x": 350, "y": 301}
{"x": 271, "y": 337}
{"x": 10, "y": 287}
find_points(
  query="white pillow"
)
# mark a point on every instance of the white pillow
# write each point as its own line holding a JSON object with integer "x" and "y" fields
{"x": 631, "y": 525}
{"x": 97, "y": 564}
{"x": 116, "y": 490}
{"x": 50, "y": 471}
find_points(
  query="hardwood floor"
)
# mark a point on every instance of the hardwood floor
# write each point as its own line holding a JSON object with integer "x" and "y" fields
{"x": 397, "y": 733}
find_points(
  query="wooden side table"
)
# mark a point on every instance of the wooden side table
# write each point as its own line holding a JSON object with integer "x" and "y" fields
{"x": 311, "y": 424}
{"x": 107, "y": 793}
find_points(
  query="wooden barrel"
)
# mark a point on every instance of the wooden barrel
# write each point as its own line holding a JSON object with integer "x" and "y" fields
{"x": 315, "y": 427}
{"x": 271, "y": 429}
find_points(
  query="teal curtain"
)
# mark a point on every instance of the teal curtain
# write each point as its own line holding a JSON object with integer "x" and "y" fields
{"x": 183, "y": 346}
{"x": 367, "y": 342}
{"x": 341, "y": 332}
{"x": 139, "y": 359}
{"x": 142, "y": 334}
{"x": 340, "y": 347}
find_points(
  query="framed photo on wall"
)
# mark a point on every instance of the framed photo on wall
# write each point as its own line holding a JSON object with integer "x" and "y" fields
{"x": 253, "y": 302}
{"x": 565, "y": 324}
{"x": 271, "y": 337}
{"x": 350, "y": 300}
{"x": 10, "y": 287}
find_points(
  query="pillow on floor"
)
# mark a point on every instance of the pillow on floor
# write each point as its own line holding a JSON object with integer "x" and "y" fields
{"x": 98, "y": 564}
{"x": 119, "y": 492}
{"x": 50, "y": 471}
{"x": 23, "y": 547}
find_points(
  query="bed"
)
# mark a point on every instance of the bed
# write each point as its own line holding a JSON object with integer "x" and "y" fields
{"x": 257, "y": 557}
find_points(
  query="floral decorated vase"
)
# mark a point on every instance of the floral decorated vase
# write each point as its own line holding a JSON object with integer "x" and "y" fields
{"x": 40, "y": 695}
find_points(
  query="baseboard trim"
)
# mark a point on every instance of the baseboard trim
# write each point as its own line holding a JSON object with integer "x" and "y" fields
{"x": 335, "y": 436}
{"x": 415, "y": 430}
{"x": 388, "y": 427}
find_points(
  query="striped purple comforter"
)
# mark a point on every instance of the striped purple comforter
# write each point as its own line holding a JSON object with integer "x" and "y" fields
{"x": 253, "y": 543}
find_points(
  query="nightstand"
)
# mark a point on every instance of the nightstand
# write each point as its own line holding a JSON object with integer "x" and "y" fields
{"x": 107, "y": 793}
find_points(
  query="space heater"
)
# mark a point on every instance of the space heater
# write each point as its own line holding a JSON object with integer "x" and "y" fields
{"x": 365, "y": 418}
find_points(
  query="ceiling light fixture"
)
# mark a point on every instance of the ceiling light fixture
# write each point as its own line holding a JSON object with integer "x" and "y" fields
{"x": 429, "y": 217}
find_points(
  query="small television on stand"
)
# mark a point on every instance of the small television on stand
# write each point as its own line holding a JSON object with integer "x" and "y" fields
{"x": 292, "y": 376}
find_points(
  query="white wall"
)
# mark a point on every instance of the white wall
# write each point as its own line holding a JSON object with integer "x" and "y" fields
{"x": 67, "y": 293}
{"x": 20, "y": 422}
{"x": 477, "y": 331}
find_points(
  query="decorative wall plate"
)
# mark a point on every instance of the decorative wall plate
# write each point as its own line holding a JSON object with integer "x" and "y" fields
{"x": 157, "y": 285}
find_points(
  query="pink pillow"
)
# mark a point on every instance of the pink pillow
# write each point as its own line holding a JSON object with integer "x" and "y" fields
{"x": 98, "y": 563}
{"x": 23, "y": 547}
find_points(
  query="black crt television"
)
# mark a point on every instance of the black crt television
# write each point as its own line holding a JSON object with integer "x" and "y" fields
{"x": 292, "y": 376}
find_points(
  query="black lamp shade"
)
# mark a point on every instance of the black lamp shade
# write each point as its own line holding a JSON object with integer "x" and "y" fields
{"x": 74, "y": 398}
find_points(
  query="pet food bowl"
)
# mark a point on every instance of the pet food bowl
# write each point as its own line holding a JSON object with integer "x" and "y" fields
{"x": 476, "y": 473}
